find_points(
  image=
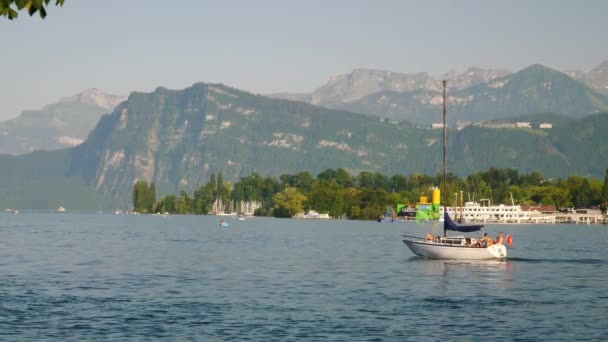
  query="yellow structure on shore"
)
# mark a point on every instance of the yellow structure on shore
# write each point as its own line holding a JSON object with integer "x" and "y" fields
{"x": 426, "y": 211}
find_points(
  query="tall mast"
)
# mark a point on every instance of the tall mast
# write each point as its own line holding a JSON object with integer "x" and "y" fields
{"x": 445, "y": 156}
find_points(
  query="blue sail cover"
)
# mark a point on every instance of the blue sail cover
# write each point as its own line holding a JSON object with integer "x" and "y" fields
{"x": 448, "y": 224}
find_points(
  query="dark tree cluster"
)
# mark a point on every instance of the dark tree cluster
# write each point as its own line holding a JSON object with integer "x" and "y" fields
{"x": 365, "y": 196}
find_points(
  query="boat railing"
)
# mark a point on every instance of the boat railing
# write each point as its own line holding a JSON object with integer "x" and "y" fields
{"x": 412, "y": 237}
{"x": 449, "y": 241}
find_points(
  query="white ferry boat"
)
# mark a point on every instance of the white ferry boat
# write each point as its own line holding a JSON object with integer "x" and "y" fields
{"x": 501, "y": 213}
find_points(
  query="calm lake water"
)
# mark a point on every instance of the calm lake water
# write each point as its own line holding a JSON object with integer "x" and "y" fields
{"x": 123, "y": 277}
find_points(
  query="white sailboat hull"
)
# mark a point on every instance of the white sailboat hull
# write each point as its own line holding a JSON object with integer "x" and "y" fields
{"x": 453, "y": 248}
{"x": 434, "y": 250}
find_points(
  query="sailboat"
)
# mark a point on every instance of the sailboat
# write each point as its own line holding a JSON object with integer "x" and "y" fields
{"x": 453, "y": 247}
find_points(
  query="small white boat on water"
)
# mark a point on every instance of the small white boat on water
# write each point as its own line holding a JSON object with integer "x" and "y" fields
{"x": 454, "y": 247}
{"x": 61, "y": 209}
{"x": 311, "y": 214}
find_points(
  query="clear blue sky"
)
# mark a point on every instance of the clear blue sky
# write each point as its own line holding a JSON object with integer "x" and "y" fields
{"x": 271, "y": 46}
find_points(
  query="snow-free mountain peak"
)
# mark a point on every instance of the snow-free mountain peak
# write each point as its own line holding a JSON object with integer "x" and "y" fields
{"x": 58, "y": 125}
{"x": 96, "y": 97}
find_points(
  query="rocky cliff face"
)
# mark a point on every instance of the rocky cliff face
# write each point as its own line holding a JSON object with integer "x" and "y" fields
{"x": 354, "y": 86}
{"x": 362, "y": 82}
{"x": 178, "y": 138}
{"x": 472, "y": 77}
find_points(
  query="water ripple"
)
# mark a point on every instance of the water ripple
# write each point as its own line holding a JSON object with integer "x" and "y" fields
{"x": 97, "y": 277}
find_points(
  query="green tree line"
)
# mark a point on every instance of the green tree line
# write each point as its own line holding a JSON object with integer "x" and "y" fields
{"x": 144, "y": 197}
{"x": 366, "y": 195}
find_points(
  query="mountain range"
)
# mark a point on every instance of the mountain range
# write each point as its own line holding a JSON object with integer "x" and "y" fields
{"x": 63, "y": 124}
{"x": 177, "y": 138}
{"x": 535, "y": 89}
{"x": 476, "y": 94}
{"x": 596, "y": 78}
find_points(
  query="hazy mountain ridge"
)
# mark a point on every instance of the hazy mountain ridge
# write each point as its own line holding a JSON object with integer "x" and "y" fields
{"x": 95, "y": 97}
{"x": 177, "y": 138}
{"x": 535, "y": 89}
{"x": 415, "y": 97}
{"x": 362, "y": 82}
{"x": 532, "y": 90}
{"x": 473, "y": 76}
{"x": 476, "y": 94}
{"x": 597, "y": 78}
{"x": 55, "y": 126}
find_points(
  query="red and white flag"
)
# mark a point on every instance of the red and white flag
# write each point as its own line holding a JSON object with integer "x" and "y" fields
{"x": 509, "y": 240}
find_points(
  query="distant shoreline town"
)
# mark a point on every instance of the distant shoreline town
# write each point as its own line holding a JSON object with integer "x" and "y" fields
{"x": 373, "y": 196}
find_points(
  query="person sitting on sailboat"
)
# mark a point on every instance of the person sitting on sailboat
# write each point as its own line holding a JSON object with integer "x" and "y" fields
{"x": 429, "y": 237}
{"x": 500, "y": 239}
{"x": 486, "y": 241}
